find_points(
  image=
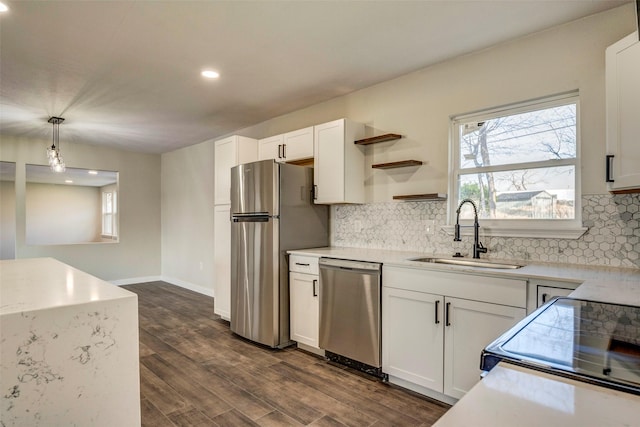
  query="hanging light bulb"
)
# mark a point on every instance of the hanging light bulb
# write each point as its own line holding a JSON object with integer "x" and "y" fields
{"x": 53, "y": 153}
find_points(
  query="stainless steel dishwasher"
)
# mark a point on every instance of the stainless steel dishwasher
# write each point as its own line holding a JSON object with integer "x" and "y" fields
{"x": 350, "y": 296}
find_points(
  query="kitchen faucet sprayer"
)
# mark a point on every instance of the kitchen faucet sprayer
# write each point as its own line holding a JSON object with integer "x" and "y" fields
{"x": 477, "y": 246}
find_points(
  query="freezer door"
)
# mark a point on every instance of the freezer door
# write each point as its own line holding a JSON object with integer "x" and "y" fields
{"x": 254, "y": 188}
{"x": 255, "y": 279}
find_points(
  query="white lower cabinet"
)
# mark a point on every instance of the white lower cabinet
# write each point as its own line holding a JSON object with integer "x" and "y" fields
{"x": 304, "y": 302}
{"x": 411, "y": 339}
{"x": 304, "y": 308}
{"x": 222, "y": 261}
{"x": 542, "y": 291}
{"x": 431, "y": 341}
{"x": 471, "y": 326}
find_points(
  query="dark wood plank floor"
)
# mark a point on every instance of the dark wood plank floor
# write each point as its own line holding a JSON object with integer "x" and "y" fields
{"x": 195, "y": 372}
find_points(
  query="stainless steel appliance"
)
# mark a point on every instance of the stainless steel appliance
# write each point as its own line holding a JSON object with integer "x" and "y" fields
{"x": 350, "y": 298}
{"x": 585, "y": 340}
{"x": 271, "y": 212}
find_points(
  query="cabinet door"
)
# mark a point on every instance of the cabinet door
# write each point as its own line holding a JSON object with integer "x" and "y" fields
{"x": 271, "y": 148}
{"x": 328, "y": 169}
{"x": 469, "y": 327}
{"x": 304, "y": 308}
{"x": 623, "y": 112}
{"x": 412, "y": 337}
{"x": 298, "y": 144}
{"x": 225, "y": 159}
{"x": 222, "y": 261}
{"x": 247, "y": 150}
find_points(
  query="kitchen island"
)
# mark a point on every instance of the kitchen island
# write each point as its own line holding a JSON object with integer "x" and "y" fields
{"x": 69, "y": 347}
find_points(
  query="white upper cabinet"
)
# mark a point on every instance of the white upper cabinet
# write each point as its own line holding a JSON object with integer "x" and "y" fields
{"x": 287, "y": 147}
{"x": 229, "y": 152}
{"x": 623, "y": 114}
{"x": 298, "y": 144}
{"x": 338, "y": 172}
{"x": 271, "y": 148}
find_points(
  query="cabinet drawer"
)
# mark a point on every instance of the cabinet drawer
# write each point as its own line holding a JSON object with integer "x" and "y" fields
{"x": 303, "y": 264}
{"x": 496, "y": 290}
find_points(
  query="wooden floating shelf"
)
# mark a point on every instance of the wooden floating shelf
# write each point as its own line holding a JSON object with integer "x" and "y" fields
{"x": 302, "y": 162}
{"x": 422, "y": 197}
{"x": 380, "y": 138}
{"x": 401, "y": 164}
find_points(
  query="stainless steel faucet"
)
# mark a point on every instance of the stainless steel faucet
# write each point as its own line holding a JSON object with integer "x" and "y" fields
{"x": 477, "y": 246}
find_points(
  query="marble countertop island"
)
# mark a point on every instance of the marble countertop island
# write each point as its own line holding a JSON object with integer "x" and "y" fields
{"x": 69, "y": 347}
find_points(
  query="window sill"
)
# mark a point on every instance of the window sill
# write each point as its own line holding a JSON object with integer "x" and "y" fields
{"x": 569, "y": 233}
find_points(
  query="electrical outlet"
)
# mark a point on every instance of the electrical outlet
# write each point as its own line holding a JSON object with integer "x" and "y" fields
{"x": 429, "y": 226}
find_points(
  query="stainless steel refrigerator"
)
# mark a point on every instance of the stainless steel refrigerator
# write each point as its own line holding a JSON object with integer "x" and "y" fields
{"x": 271, "y": 212}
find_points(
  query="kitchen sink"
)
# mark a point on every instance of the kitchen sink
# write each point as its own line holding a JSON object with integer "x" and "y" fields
{"x": 468, "y": 263}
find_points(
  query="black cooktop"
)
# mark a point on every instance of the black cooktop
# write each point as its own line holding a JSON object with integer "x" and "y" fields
{"x": 586, "y": 340}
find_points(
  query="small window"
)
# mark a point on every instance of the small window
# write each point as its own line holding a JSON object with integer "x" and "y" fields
{"x": 109, "y": 217}
{"x": 520, "y": 165}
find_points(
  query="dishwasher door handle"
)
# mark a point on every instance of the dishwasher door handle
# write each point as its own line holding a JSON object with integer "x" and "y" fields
{"x": 349, "y": 266}
{"x": 350, "y": 270}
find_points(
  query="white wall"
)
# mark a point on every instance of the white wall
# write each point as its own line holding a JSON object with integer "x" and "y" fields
{"x": 62, "y": 214}
{"x": 7, "y": 220}
{"x": 137, "y": 254}
{"x": 187, "y": 217}
{"x": 419, "y": 105}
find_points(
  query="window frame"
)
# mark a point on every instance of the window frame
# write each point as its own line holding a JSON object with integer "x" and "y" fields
{"x": 542, "y": 228}
{"x": 113, "y": 213}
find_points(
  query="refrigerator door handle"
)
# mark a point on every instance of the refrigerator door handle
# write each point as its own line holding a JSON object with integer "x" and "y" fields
{"x": 252, "y": 217}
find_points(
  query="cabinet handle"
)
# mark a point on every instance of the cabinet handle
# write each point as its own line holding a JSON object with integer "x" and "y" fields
{"x": 315, "y": 282}
{"x": 446, "y": 314}
{"x": 315, "y": 192}
{"x": 279, "y": 151}
{"x": 609, "y": 168}
{"x": 437, "y": 304}
{"x": 544, "y": 298}
{"x": 284, "y": 151}
{"x": 303, "y": 264}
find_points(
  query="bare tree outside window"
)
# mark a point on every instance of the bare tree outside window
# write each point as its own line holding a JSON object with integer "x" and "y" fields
{"x": 520, "y": 164}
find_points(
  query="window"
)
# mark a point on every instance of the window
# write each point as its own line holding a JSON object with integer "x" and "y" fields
{"x": 520, "y": 165}
{"x": 109, "y": 217}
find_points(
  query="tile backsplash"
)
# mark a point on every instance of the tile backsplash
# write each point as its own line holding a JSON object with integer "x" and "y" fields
{"x": 613, "y": 238}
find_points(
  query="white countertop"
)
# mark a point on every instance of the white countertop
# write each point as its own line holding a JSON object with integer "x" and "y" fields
{"x": 42, "y": 283}
{"x": 608, "y": 284}
{"x": 515, "y": 396}
{"x": 69, "y": 347}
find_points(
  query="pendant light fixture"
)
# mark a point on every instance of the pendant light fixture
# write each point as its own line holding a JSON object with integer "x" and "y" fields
{"x": 53, "y": 152}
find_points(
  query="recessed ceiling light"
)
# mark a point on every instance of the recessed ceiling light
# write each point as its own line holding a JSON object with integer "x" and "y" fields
{"x": 210, "y": 74}
{"x": 68, "y": 181}
{"x": 93, "y": 172}
{"x": 3, "y": 7}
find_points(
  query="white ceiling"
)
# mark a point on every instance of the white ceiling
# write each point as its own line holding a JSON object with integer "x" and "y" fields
{"x": 126, "y": 74}
{"x": 43, "y": 175}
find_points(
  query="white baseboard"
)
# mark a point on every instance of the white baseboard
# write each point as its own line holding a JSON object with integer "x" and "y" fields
{"x": 135, "y": 280}
{"x": 195, "y": 288}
